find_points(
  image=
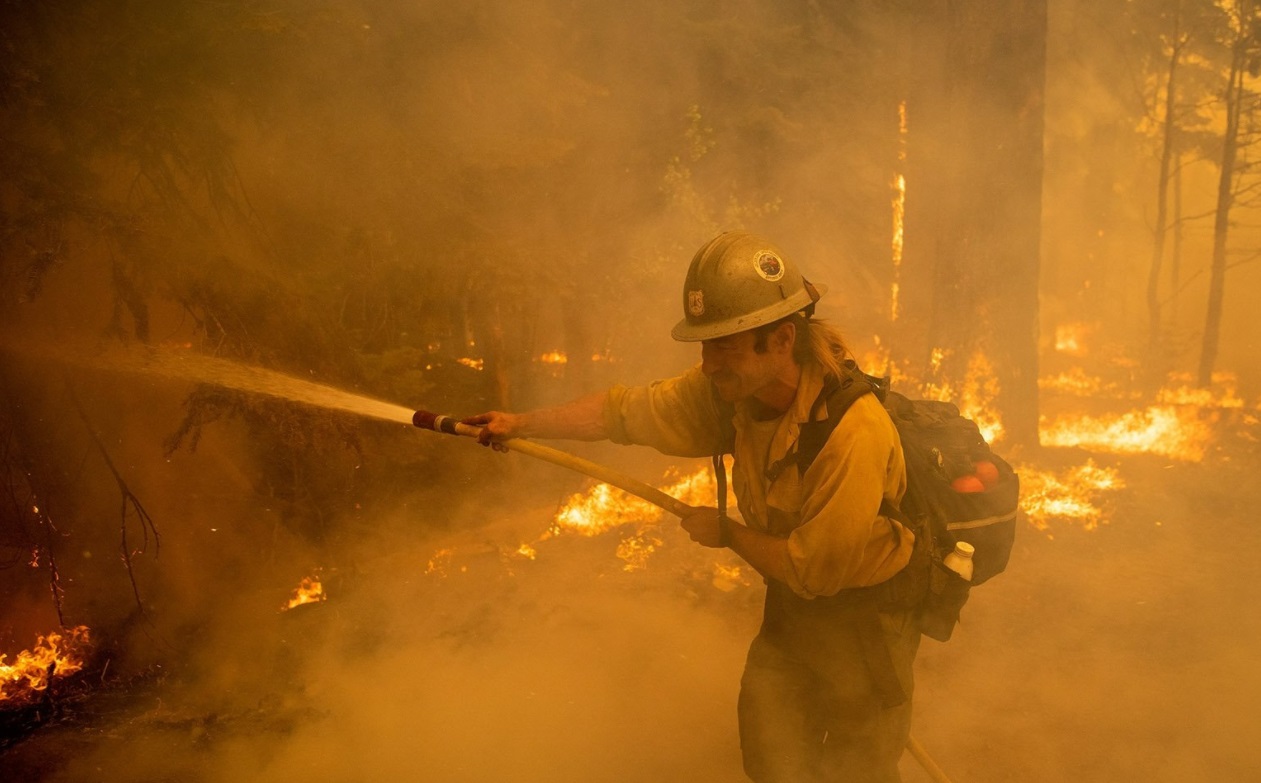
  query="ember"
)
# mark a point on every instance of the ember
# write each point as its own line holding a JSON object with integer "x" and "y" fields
{"x": 54, "y": 656}
{"x": 554, "y": 357}
{"x": 310, "y": 591}
{"x": 476, "y": 364}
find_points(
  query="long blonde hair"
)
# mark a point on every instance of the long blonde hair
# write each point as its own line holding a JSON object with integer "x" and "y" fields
{"x": 820, "y": 342}
{"x": 816, "y": 342}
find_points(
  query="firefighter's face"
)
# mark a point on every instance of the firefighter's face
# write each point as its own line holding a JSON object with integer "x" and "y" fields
{"x": 737, "y": 369}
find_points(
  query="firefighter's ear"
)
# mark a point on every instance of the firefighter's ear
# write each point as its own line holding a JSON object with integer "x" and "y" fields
{"x": 783, "y": 338}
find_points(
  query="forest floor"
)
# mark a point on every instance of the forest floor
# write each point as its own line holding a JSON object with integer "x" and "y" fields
{"x": 1125, "y": 652}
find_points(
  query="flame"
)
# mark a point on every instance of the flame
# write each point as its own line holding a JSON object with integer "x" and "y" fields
{"x": 527, "y": 551}
{"x": 1077, "y": 383}
{"x": 1171, "y": 431}
{"x": 309, "y": 591}
{"x": 976, "y": 401}
{"x": 476, "y": 364}
{"x": 55, "y": 655}
{"x": 604, "y": 507}
{"x": 1073, "y": 495}
{"x": 557, "y": 357}
{"x": 1223, "y": 392}
{"x": 636, "y": 550}
{"x": 899, "y": 214}
{"x": 879, "y": 360}
{"x": 729, "y": 577}
{"x": 1071, "y": 338}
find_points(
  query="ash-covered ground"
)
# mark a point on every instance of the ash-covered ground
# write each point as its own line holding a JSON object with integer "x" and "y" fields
{"x": 1121, "y": 653}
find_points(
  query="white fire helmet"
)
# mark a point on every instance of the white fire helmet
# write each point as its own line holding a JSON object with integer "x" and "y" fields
{"x": 739, "y": 281}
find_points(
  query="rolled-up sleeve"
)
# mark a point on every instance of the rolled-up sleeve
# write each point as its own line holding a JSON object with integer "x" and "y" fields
{"x": 677, "y": 416}
{"x": 843, "y": 541}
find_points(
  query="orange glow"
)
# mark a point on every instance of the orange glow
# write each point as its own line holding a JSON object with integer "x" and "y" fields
{"x": 977, "y": 399}
{"x": 309, "y": 591}
{"x": 1073, "y": 495}
{"x": 635, "y": 550}
{"x": 729, "y": 577}
{"x": 1172, "y": 431}
{"x": 604, "y": 507}
{"x": 555, "y": 357}
{"x": 878, "y": 361}
{"x": 1223, "y": 392}
{"x": 1077, "y": 383}
{"x": 1071, "y": 339}
{"x": 55, "y": 655}
{"x": 438, "y": 563}
{"x": 899, "y": 214}
{"x": 476, "y": 364}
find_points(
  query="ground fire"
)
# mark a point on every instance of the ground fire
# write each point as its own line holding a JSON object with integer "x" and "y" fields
{"x": 55, "y": 655}
{"x": 309, "y": 591}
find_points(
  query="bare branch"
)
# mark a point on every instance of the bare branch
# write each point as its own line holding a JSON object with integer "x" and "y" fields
{"x": 130, "y": 503}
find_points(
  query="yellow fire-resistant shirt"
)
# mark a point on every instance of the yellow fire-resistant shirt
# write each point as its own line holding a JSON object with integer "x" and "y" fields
{"x": 830, "y": 515}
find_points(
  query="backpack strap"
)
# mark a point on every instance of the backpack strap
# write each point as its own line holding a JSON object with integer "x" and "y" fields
{"x": 838, "y": 393}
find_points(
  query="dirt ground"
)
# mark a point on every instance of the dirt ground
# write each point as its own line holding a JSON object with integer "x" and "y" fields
{"x": 1121, "y": 653}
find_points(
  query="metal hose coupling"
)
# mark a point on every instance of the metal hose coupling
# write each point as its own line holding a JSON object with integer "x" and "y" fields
{"x": 434, "y": 421}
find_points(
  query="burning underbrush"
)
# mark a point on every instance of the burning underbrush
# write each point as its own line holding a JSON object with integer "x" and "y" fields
{"x": 578, "y": 631}
{"x": 33, "y": 673}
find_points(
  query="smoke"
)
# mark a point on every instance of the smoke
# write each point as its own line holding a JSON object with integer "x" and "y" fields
{"x": 488, "y": 666}
{"x": 362, "y": 195}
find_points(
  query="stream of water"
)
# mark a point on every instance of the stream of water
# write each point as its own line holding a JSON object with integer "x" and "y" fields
{"x": 198, "y": 368}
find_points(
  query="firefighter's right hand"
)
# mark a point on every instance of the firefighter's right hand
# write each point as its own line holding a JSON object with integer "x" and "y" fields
{"x": 497, "y": 427}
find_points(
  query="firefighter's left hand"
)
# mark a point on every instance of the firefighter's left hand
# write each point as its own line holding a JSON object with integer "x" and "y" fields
{"x": 705, "y": 528}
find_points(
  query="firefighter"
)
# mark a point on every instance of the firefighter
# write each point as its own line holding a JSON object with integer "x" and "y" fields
{"x": 826, "y": 689}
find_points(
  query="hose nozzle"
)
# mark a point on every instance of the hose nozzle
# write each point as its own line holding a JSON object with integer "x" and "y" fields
{"x": 437, "y": 422}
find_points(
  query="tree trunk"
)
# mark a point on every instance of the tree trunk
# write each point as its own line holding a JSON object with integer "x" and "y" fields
{"x": 1225, "y": 200}
{"x": 977, "y": 150}
{"x": 1162, "y": 186}
{"x": 1175, "y": 259}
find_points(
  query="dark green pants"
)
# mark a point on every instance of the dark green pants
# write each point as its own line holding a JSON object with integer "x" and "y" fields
{"x": 826, "y": 692}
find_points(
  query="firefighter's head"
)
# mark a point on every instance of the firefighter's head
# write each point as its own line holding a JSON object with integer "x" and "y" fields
{"x": 737, "y": 282}
{"x": 751, "y": 310}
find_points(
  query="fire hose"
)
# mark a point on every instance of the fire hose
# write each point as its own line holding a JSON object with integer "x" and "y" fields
{"x": 452, "y": 426}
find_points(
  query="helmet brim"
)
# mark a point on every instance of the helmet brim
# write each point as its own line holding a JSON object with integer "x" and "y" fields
{"x": 687, "y": 332}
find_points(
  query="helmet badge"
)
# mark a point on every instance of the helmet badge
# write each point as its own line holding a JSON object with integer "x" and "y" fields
{"x": 770, "y": 267}
{"x": 696, "y": 303}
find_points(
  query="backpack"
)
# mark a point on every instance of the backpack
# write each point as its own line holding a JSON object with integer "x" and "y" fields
{"x": 943, "y": 450}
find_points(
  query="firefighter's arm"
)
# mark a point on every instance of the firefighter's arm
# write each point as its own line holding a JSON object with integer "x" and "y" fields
{"x": 581, "y": 419}
{"x": 766, "y": 553}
